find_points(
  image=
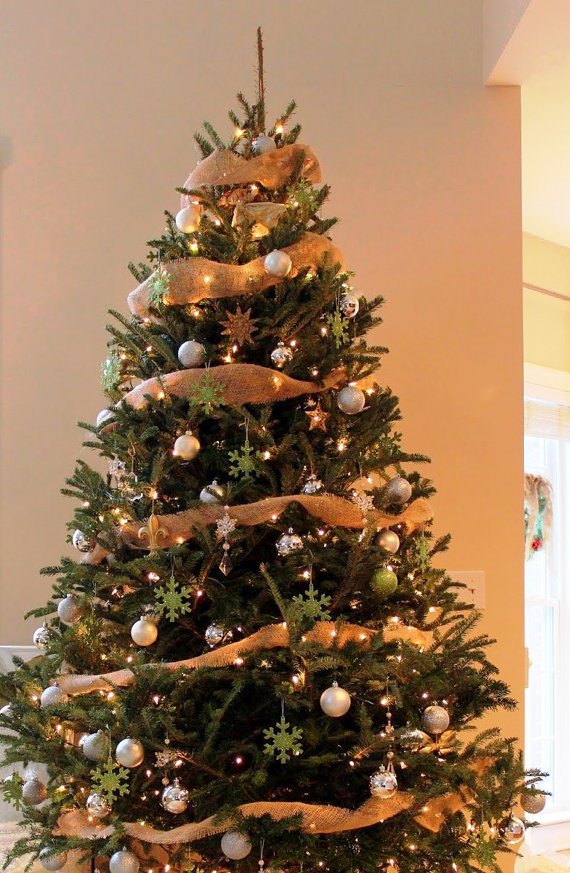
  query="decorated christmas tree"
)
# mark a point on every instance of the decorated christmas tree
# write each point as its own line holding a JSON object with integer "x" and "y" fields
{"x": 252, "y": 662}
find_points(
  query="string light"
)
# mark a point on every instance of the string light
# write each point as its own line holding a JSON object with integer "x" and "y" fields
{"x": 238, "y": 133}
{"x": 342, "y": 445}
{"x": 279, "y": 128}
{"x": 194, "y": 246}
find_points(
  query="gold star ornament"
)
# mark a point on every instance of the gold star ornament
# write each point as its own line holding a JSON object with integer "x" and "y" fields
{"x": 239, "y": 326}
{"x": 317, "y": 417}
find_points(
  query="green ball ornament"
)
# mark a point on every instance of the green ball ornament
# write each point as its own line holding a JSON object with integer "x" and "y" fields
{"x": 384, "y": 582}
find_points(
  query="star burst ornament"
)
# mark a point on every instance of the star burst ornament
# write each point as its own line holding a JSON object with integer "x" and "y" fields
{"x": 239, "y": 326}
{"x": 110, "y": 780}
{"x": 166, "y": 757}
{"x": 283, "y": 740}
{"x": 364, "y": 501}
{"x": 317, "y": 417}
{"x": 172, "y": 601}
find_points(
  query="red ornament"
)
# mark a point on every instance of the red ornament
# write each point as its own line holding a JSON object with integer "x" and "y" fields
{"x": 536, "y": 545}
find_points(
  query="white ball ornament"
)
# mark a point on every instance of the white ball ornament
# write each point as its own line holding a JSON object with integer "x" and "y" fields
{"x": 97, "y": 806}
{"x": 350, "y": 399}
{"x": 435, "y": 720}
{"x": 186, "y": 447}
{"x": 130, "y": 752}
{"x": 124, "y": 862}
{"x": 389, "y": 541}
{"x": 6, "y": 710}
{"x": 144, "y": 632}
{"x": 335, "y": 701}
{"x": 53, "y": 696}
{"x": 41, "y": 638}
{"x": 278, "y": 264}
{"x": 34, "y": 791}
{"x": 96, "y": 746}
{"x": 104, "y": 416}
{"x": 69, "y": 610}
{"x": 212, "y": 493}
{"x": 192, "y": 354}
{"x": 175, "y": 798}
{"x": 235, "y": 845}
{"x": 399, "y": 490}
{"x": 188, "y": 218}
{"x": 263, "y": 144}
{"x": 52, "y": 862}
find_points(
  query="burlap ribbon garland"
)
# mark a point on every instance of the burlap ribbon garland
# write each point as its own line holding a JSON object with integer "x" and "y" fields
{"x": 324, "y": 633}
{"x": 195, "y": 279}
{"x": 241, "y": 383}
{"x": 273, "y": 169}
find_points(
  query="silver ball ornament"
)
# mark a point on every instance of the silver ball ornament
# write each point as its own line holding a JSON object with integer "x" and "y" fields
{"x": 349, "y": 305}
{"x": 335, "y": 701}
{"x": 263, "y": 144}
{"x": 399, "y": 490}
{"x": 188, "y": 218}
{"x": 97, "y": 806}
{"x": 186, "y": 447}
{"x": 124, "y": 862}
{"x": 533, "y": 803}
{"x": 96, "y": 746}
{"x": 351, "y": 399}
{"x": 435, "y": 720}
{"x": 129, "y": 752}
{"x": 40, "y": 638}
{"x": 175, "y": 798}
{"x": 278, "y": 264}
{"x": 34, "y": 791}
{"x": 388, "y": 540}
{"x": 52, "y": 862}
{"x": 383, "y": 783}
{"x": 212, "y": 493}
{"x": 192, "y": 354}
{"x": 103, "y": 416}
{"x": 81, "y": 542}
{"x": 53, "y": 696}
{"x": 281, "y": 355}
{"x": 144, "y": 632}
{"x": 215, "y": 634}
{"x": 69, "y": 610}
{"x": 6, "y": 710}
{"x": 235, "y": 845}
{"x": 512, "y": 830}
{"x": 288, "y": 543}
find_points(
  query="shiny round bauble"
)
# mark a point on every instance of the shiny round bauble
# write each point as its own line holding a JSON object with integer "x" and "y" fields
{"x": 388, "y": 540}
{"x": 191, "y": 354}
{"x": 34, "y": 791}
{"x": 288, "y": 543}
{"x": 96, "y": 746}
{"x": 175, "y": 798}
{"x": 235, "y": 845}
{"x": 188, "y": 218}
{"x": 349, "y": 305}
{"x": 144, "y": 632}
{"x": 277, "y": 264}
{"x": 41, "y": 638}
{"x": 281, "y": 355}
{"x": 53, "y": 696}
{"x": 384, "y": 582}
{"x": 399, "y": 490}
{"x": 383, "y": 783}
{"x": 124, "y": 862}
{"x": 411, "y": 739}
{"x": 215, "y": 634}
{"x": 81, "y": 542}
{"x": 103, "y": 416}
{"x": 263, "y": 144}
{"x": 212, "y": 493}
{"x": 186, "y": 447}
{"x": 129, "y": 752}
{"x": 69, "y": 610}
{"x": 533, "y": 803}
{"x": 52, "y": 862}
{"x": 435, "y": 720}
{"x": 97, "y": 806}
{"x": 6, "y": 710}
{"x": 335, "y": 701}
{"x": 350, "y": 399}
{"x": 512, "y": 830}
{"x": 312, "y": 485}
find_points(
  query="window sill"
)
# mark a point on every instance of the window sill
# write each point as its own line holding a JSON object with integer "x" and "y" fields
{"x": 552, "y": 834}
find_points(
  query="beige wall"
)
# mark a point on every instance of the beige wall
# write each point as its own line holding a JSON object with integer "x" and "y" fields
{"x": 546, "y": 318}
{"x": 99, "y": 103}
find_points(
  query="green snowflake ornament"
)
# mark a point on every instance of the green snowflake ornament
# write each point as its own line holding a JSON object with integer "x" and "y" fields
{"x": 111, "y": 373}
{"x": 207, "y": 393}
{"x": 422, "y": 551}
{"x": 159, "y": 287}
{"x": 283, "y": 741}
{"x": 172, "y": 601}
{"x": 111, "y": 780}
{"x": 338, "y": 325}
{"x": 244, "y": 461}
{"x": 313, "y": 605}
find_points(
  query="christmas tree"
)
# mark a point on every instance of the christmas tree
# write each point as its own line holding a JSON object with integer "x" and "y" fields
{"x": 253, "y": 662}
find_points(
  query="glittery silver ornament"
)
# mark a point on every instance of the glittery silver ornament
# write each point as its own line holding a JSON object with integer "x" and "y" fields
{"x": 335, "y": 701}
{"x": 289, "y": 542}
{"x": 388, "y": 540}
{"x": 97, "y": 806}
{"x": 312, "y": 485}
{"x": 383, "y": 783}
{"x": 435, "y": 720}
{"x": 175, "y": 798}
{"x": 129, "y": 752}
{"x": 235, "y": 845}
{"x": 124, "y": 862}
{"x": 533, "y": 803}
{"x": 215, "y": 634}
{"x": 96, "y": 746}
{"x": 349, "y": 305}
{"x": 512, "y": 830}
{"x": 192, "y": 354}
{"x": 188, "y": 218}
{"x": 411, "y": 739}
{"x": 399, "y": 490}
{"x": 41, "y": 638}
{"x": 144, "y": 632}
{"x": 263, "y": 144}
{"x": 52, "y": 862}
{"x": 34, "y": 791}
{"x": 104, "y": 416}
{"x": 212, "y": 493}
{"x": 350, "y": 399}
{"x": 53, "y": 696}
{"x": 186, "y": 447}
{"x": 81, "y": 542}
{"x": 280, "y": 355}
{"x": 68, "y": 609}
{"x": 277, "y": 264}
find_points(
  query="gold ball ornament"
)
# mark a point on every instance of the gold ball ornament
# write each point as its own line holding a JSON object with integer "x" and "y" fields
{"x": 52, "y": 862}
{"x": 174, "y": 798}
{"x": 186, "y": 447}
{"x": 144, "y": 632}
{"x": 235, "y": 845}
{"x": 533, "y": 803}
{"x": 512, "y": 830}
{"x": 351, "y": 400}
{"x": 34, "y": 791}
{"x": 435, "y": 720}
{"x": 188, "y": 218}
{"x": 278, "y": 264}
{"x": 130, "y": 752}
{"x": 335, "y": 701}
{"x": 124, "y": 862}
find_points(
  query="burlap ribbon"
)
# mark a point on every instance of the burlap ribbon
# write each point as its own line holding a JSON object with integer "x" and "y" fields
{"x": 273, "y": 170}
{"x": 195, "y": 279}
{"x": 241, "y": 383}
{"x": 324, "y": 633}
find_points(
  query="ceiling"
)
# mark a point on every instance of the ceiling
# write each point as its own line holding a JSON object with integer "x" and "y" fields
{"x": 537, "y": 57}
